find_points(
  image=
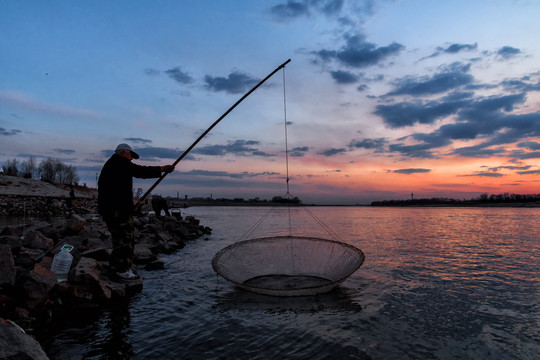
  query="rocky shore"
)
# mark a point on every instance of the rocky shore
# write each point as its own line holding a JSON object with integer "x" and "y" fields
{"x": 31, "y": 297}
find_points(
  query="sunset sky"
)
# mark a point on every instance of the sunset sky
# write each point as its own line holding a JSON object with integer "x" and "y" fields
{"x": 384, "y": 98}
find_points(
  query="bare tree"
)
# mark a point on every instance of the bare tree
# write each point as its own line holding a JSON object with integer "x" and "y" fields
{"x": 47, "y": 170}
{"x": 70, "y": 175}
{"x": 29, "y": 168}
{"x": 11, "y": 167}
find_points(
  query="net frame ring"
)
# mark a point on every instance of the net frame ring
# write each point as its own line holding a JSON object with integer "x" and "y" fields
{"x": 287, "y": 265}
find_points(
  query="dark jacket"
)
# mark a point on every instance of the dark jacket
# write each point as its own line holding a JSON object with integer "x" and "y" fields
{"x": 115, "y": 184}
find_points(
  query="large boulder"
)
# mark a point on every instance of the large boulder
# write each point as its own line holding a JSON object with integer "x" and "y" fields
{"x": 37, "y": 286}
{"x": 15, "y": 344}
{"x": 87, "y": 272}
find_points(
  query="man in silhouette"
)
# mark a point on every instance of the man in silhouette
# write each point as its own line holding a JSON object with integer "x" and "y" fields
{"x": 115, "y": 204}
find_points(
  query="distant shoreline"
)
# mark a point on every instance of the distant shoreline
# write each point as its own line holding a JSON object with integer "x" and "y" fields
{"x": 15, "y": 187}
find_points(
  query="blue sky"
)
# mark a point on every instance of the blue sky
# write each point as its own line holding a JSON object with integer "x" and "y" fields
{"x": 383, "y": 98}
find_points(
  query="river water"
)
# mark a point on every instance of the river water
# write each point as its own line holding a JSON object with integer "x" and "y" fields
{"x": 437, "y": 283}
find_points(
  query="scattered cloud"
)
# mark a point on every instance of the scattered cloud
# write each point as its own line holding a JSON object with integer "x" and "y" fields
{"x": 332, "y": 152}
{"x": 530, "y": 145}
{"x": 485, "y": 174}
{"x": 180, "y": 76}
{"x": 529, "y": 172}
{"x": 453, "y": 49}
{"x": 228, "y": 174}
{"x": 413, "y": 151}
{"x": 411, "y": 171}
{"x": 358, "y": 53}
{"x": 344, "y": 77}
{"x": 377, "y": 143}
{"x": 64, "y": 151}
{"x": 509, "y": 167}
{"x": 234, "y": 83}
{"x": 304, "y": 8}
{"x": 138, "y": 140}
{"x": 299, "y": 151}
{"x": 457, "y": 76}
{"x": 6, "y": 132}
{"x": 507, "y": 52}
{"x": 151, "y": 153}
{"x": 290, "y": 10}
{"x": 237, "y": 147}
{"x": 525, "y": 155}
{"x": 152, "y": 72}
{"x": 410, "y": 113}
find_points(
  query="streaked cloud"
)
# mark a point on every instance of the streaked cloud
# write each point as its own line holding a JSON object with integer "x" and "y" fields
{"x": 411, "y": 171}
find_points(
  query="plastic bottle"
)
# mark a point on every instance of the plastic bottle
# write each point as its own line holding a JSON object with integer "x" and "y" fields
{"x": 62, "y": 263}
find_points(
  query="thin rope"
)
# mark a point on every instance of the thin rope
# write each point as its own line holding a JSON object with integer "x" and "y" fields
{"x": 332, "y": 233}
{"x": 254, "y": 226}
{"x": 286, "y": 140}
{"x": 288, "y": 195}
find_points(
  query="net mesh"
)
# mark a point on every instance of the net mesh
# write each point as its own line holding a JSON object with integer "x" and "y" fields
{"x": 287, "y": 265}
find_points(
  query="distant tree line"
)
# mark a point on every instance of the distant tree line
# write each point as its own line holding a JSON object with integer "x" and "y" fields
{"x": 484, "y": 198}
{"x": 50, "y": 170}
{"x": 240, "y": 201}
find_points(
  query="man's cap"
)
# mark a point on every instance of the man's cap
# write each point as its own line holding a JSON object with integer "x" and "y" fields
{"x": 126, "y": 147}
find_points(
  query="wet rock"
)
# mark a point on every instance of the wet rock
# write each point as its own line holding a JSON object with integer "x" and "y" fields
{"x": 74, "y": 225}
{"x": 15, "y": 344}
{"x": 190, "y": 219}
{"x": 7, "y": 266}
{"x": 45, "y": 228}
{"x": 33, "y": 294}
{"x": 37, "y": 286}
{"x": 143, "y": 255}
{"x": 118, "y": 290}
{"x": 152, "y": 228}
{"x": 36, "y": 240}
{"x": 88, "y": 272}
{"x": 99, "y": 254}
{"x": 155, "y": 265}
{"x": 164, "y": 236}
{"x": 7, "y": 307}
{"x": 133, "y": 286}
{"x": 12, "y": 230}
{"x": 25, "y": 262}
{"x": 14, "y": 242}
{"x": 171, "y": 246}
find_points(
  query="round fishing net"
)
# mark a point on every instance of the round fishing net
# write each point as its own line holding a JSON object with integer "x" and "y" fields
{"x": 287, "y": 265}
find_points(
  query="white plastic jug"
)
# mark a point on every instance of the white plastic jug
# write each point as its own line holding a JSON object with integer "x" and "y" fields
{"x": 62, "y": 263}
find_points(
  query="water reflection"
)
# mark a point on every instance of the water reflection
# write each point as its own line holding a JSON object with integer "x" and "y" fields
{"x": 88, "y": 337}
{"x": 240, "y": 300}
{"x": 438, "y": 283}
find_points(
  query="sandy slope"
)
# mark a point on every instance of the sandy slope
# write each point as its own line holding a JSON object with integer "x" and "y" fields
{"x": 11, "y": 185}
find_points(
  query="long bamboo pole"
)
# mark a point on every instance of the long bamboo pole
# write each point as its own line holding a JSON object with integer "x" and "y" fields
{"x": 141, "y": 200}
